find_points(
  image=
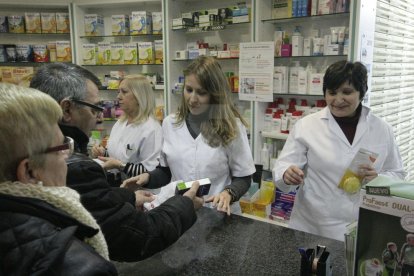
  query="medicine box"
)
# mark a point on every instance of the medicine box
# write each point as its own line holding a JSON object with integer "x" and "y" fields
{"x": 62, "y": 23}
{"x": 94, "y": 25}
{"x": 120, "y": 24}
{"x": 140, "y": 23}
{"x": 145, "y": 53}
{"x": 203, "y": 189}
{"x": 48, "y": 20}
{"x": 16, "y": 24}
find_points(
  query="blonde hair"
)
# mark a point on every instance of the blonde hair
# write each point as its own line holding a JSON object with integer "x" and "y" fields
{"x": 221, "y": 127}
{"x": 144, "y": 94}
{"x": 27, "y": 120}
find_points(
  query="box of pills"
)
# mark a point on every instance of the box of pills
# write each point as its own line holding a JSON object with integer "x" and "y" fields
{"x": 130, "y": 53}
{"x": 159, "y": 52}
{"x": 140, "y": 23}
{"x": 117, "y": 53}
{"x": 62, "y": 23}
{"x": 104, "y": 53}
{"x": 32, "y": 21}
{"x": 203, "y": 189}
{"x": 120, "y": 24}
{"x": 63, "y": 51}
{"x": 94, "y": 25}
{"x": 88, "y": 54}
{"x": 157, "y": 22}
{"x": 145, "y": 53}
{"x": 4, "y": 26}
{"x": 48, "y": 22}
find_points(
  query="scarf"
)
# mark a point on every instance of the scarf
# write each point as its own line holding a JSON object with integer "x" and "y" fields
{"x": 65, "y": 199}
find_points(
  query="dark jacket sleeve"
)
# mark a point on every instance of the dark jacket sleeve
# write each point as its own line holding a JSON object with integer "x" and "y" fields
{"x": 131, "y": 234}
{"x": 159, "y": 177}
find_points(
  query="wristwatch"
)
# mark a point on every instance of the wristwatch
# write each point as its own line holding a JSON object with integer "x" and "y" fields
{"x": 232, "y": 194}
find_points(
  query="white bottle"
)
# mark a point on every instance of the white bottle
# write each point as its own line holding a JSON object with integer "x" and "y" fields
{"x": 297, "y": 43}
{"x": 276, "y": 122}
{"x": 295, "y": 73}
{"x": 265, "y": 157}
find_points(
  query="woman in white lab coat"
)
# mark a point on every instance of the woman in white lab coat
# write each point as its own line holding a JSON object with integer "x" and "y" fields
{"x": 205, "y": 138}
{"x": 134, "y": 144}
{"x": 321, "y": 147}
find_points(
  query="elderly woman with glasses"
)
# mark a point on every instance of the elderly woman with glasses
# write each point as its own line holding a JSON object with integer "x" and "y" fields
{"x": 45, "y": 229}
{"x": 135, "y": 141}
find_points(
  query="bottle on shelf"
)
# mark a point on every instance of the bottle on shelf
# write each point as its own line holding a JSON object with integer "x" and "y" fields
{"x": 297, "y": 43}
{"x": 265, "y": 157}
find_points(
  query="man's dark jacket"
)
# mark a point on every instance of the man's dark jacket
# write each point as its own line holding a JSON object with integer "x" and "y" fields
{"x": 131, "y": 234}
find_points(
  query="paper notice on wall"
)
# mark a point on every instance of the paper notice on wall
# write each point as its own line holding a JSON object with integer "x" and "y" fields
{"x": 256, "y": 64}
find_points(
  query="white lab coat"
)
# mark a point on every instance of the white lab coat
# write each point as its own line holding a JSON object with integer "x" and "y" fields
{"x": 191, "y": 159}
{"x": 136, "y": 143}
{"x": 319, "y": 147}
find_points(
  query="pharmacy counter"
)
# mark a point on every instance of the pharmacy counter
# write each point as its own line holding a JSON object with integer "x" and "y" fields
{"x": 235, "y": 245}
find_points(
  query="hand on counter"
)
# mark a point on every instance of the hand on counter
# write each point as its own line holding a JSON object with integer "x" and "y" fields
{"x": 135, "y": 182}
{"x": 198, "y": 201}
{"x": 221, "y": 201}
{"x": 293, "y": 176}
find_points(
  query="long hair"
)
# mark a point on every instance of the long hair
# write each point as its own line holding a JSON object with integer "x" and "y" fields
{"x": 144, "y": 94}
{"x": 221, "y": 126}
{"x": 27, "y": 120}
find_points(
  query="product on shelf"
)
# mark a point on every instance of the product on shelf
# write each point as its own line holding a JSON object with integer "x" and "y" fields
{"x": 62, "y": 23}
{"x": 63, "y": 51}
{"x": 130, "y": 53}
{"x": 94, "y": 25}
{"x": 32, "y": 22}
{"x": 140, "y": 23}
{"x": 40, "y": 53}
{"x": 4, "y": 26}
{"x": 88, "y": 54}
{"x": 104, "y": 53}
{"x": 120, "y": 24}
{"x": 24, "y": 53}
{"x": 11, "y": 54}
{"x": 117, "y": 53}
{"x": 16, "y": 24}
{"x": 145, "y": 53}
{"x": 48, "y": 20}
{"x": 156, "y": 22}
{"x": 159, "y": 51}
{"x": 16, "y": 75}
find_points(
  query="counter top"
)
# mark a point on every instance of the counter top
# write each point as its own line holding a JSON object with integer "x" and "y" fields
{"x": 235, "y": 245}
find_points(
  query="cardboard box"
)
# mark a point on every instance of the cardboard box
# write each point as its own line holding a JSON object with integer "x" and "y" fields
{"x": 120, "y": 24}
{"x": 203, "y": 189}
{"x": 62, "y": 23}
{"x": 104, "y": 53}
{"x": 117, "y": 53}
{"x": 63, "y": 51}
{"x": 89, "y": 54}
{"x": 16, "y": 24}
{"x": 156, "y": 22}
{"x": 4, "y": 25}
{"x": 48, "y": 22}
{"x": 384, "y": 219}
{"x": 281, "y": 9}
{"x": 94, "y": 25}
{"x": 32, "y": 22}
{"x": 140, "y": 23}
{"x": 159, "y": 51}
{"x": 130, "y": 53}
{"x": 145, "y": 53}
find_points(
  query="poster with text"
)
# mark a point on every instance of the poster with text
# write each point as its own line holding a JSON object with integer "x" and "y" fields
{"x": 256, "y": 64}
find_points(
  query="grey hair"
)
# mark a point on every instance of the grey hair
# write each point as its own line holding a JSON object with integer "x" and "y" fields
{"x": 63, "y": 80}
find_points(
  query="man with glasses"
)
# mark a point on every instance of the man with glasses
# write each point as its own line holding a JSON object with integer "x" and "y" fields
{"x": 131, "y": 234}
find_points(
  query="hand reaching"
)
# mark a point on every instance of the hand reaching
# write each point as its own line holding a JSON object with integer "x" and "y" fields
{"x": 135, "y": 182}
{"x": 293, "y": 176}
{"x": 197, "y": 201}
{"x": 141, "y": 197}
{"x": 97, "y": 150}
{"x": 221, "y": 201}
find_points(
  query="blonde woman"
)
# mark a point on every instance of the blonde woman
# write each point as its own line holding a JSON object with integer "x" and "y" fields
{"x": 135, "y": 141}
{"x": 205, "y": 138}
{"x": 44, "y": 227}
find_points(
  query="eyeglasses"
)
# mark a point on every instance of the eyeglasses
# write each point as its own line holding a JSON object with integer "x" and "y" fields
{"x": 96, "y": 110}
{"x": 68, "y": 147}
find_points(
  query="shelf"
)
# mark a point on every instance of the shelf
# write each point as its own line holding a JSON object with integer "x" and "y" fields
{"x": 344, "y": 15}
{"x": 192, "y": 30}
{"x": 36, "y": 34}
{"x": 297, "y": 95}
{"x": 104, "y": 36}
{"x": 235, "y": 58}
{"x": 314, "y": 57}
{"x": 274, "y": 135}
{"x": 117, "y": 65}
{"x": 22, "y": 64}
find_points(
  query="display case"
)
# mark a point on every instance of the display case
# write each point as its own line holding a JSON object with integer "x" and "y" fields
{"x": 207, "y": 25}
